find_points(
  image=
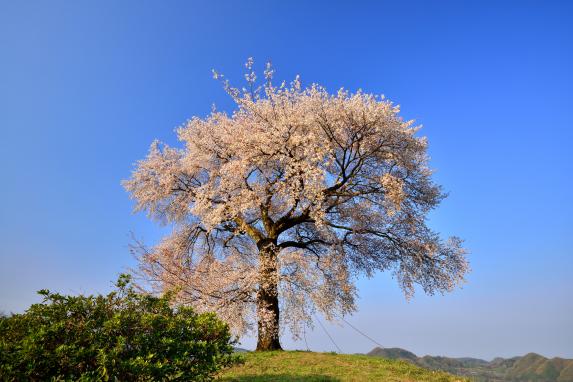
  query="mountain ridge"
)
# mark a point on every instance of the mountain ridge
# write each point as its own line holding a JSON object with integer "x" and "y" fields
{"x": 531, "y": 367}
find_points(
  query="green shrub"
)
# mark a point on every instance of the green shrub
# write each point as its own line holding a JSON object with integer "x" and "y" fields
{"x": 124, "y": 336}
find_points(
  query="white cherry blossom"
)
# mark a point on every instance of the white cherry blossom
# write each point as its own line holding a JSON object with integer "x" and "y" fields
{"x": 280, "y": 206}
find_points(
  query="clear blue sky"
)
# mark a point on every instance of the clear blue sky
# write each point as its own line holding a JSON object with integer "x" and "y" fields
{"x": 86, "y": 86}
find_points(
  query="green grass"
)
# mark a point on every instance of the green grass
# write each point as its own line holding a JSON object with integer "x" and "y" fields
{"x": 299, "y": 366}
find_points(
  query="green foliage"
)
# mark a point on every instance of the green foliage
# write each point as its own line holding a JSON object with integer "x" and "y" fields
{"x": 123, "y": 336}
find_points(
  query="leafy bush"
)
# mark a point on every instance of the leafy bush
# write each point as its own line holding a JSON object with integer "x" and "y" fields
{"x": 124, "y": 336}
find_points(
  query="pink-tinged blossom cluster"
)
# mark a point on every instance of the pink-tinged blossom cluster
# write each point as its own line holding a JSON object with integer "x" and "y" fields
{"x": 337, "y": 185}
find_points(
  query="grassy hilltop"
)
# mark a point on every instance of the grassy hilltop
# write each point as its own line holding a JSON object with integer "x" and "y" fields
{"x": 300, "y": 366}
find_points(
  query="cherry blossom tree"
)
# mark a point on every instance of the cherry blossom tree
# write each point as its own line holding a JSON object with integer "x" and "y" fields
{"x": 280, "y": 206}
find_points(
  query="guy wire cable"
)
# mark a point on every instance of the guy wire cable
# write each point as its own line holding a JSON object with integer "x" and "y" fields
{"x": 323, "y": 328}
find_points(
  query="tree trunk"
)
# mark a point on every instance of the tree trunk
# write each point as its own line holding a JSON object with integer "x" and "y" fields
{"x": 268, "y": 299}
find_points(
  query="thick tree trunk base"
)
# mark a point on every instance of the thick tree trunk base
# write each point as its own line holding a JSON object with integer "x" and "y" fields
{"x": 268, "y": 345}
{"x": 268, "y": 335}
{"x": 268, "y": 300}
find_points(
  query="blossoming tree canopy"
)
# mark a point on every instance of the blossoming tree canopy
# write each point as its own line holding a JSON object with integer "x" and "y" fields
{"x": 280, "y": 206}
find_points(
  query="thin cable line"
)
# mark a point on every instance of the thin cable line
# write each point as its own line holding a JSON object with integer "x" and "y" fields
{"x": 304, "y": 335}
{"x": 323, "y": 328}
{"x": 365, "y": 335}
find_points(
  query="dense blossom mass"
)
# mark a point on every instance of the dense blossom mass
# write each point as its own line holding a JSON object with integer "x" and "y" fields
{"x": 281, "y": 205}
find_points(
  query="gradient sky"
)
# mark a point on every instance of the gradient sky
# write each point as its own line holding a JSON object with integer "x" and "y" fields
{"x": 86, "y": 86}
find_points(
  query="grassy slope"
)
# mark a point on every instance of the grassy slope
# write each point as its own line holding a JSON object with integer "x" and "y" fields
{"x": 298, "y": 366}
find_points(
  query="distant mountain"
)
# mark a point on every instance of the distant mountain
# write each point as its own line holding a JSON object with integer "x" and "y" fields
{"x": 393, "y": 353}
{"x": 529, "y": 368}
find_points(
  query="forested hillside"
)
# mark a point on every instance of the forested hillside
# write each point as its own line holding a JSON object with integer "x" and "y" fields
{"x": 529, "y": 368}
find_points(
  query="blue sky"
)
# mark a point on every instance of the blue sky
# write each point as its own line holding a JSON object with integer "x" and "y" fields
{"x": 86, "y": 86}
